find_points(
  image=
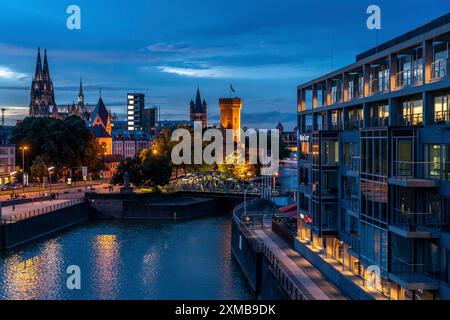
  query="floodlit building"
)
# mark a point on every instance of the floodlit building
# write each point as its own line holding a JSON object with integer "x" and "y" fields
{"x": 374, "y": 169}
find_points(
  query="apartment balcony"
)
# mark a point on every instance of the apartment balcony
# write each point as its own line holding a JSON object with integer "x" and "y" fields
{"x": 304, "y": 188}
{"x": 309, "y": 128}
{"x": 414, "y": 225}
{"x": 413, "y": 120}
{"x": 440, "y": 69}
{"x": 409, "y": 77}
{"x": 354, "y": 93}
{"x": 336, "y": 126}
{"x": 414, "y": 276}
{"x": 379, "y": 122}
{"x": 442, "y": 117}
{"x": 412, "y": 175}
{"x": 351, "y": 203}
{"x": 354, "y": 167}
{"x": 354, "y": 245}
{"x": 378, "y": 85}
{"x": 355, "y": 124}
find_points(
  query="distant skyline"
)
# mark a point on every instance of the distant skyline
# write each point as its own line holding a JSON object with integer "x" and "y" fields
{"x": 166, "y": 49}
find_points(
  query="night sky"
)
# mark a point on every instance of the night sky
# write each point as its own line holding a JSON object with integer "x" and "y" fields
{"x": 166, "y": 48}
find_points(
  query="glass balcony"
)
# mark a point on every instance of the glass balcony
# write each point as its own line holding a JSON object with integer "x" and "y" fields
{"x": 379, "y": 122}
{"x": 378, "y": 85}
{"x": 411, "y": 120}
{"x": 413, "y": 174}
{"x": 408, "y": 77}
{"x": 439, "y": 69}
{"x": 414, "y": 276}
{"x": 442, "y": 117}
{"x": 411, "y": 221}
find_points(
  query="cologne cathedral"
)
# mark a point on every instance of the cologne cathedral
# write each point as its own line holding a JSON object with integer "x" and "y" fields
{"x": 42, "y": 93}
{"x": 42, "y": 101}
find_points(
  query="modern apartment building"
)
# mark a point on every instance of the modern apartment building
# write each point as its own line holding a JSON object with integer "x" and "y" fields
{"x": 135, "y": 108}
{"x": 374, "y": 169}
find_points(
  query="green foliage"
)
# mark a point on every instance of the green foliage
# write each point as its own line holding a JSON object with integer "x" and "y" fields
{"x": 156, "y": 171}
{"x": 64, "y": 143}
{"x": 39, "y": 169}
{"x": 131, "y": 166}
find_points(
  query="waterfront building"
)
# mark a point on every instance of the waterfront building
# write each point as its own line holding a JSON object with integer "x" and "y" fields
{"x": 42, "y": 97}
{"x": 374, "y": 168}
{"x": 128, "y": 144}
{"x": 198, "y": 110}
{"x": 7, "y": 162}
{"x": 230, "y": 115}
{"x": 135, "y": 108}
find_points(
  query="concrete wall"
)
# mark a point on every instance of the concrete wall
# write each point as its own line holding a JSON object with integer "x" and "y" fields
{"x": 15, "y": 234}
{"x": 255, "y": 267}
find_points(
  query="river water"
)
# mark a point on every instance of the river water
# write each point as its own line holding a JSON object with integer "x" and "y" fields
{"x": 129, "y": 260}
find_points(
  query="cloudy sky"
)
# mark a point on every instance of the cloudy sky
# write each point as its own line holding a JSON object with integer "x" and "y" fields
{"x": 165, "y": 48}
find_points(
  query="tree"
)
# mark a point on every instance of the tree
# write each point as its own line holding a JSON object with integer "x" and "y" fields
{"x": 156, "y": 171}
{"x": 131, "y": 166}
{"x": 64, "y": 143}
{"x": 39, "y": 169}
{"x": 236, "y": 167}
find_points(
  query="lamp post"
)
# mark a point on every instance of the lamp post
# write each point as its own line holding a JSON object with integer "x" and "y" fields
{"x": 13, "y": 191}
{"x": 50, "y": 176}
{"x": 23, "y": 149}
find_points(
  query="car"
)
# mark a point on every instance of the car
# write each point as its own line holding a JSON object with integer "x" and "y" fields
{"x": 6, "y": 186}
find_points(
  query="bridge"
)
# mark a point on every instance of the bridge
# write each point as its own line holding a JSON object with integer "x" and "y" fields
{"x": 213, "y": 182}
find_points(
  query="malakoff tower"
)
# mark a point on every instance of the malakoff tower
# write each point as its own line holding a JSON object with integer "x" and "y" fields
{"x": 230, "y": 115}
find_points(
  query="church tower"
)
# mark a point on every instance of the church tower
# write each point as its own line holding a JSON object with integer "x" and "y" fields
{"x": 230, "y": 115}
{"x": 42, "y": 96}
{"x": 198, "y": 110}
{"x": 80, "y": 104}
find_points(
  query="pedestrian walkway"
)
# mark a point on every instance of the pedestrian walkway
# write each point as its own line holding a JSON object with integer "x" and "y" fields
{"x": 305, "y": 276}
{"x": 32, "y": 209}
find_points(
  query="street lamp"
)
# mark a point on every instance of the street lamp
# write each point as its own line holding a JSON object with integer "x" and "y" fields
{"x": 13, "y": 191}
{"x": 50, "y": 176}
{"x": 23, "y": 149}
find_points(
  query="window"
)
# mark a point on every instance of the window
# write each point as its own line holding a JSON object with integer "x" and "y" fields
{"x": 441, "y": 108}
{"x": 330, "y": 152}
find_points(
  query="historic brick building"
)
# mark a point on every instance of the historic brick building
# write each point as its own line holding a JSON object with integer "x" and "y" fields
{"x": 230, "y": 114}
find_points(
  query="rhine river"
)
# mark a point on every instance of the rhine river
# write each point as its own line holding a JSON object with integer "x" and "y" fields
{"x": 129, "y": 260}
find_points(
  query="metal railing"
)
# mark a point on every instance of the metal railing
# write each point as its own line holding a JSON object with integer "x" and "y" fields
{"x": 411, "y": 120}
{"x": 414, "y": 273}
{"x": 379, "y": 122}
{"x": 441, "y": 117}
{"x": 412, "y": 220}
{"x": 378, "y": 85}
{"x": 275, "y": 265}
{"x": 354, "y": 124}
{"x": 439, "y": 69}
{"x": 37, "y": 212}
{"x": 406, "y": 170}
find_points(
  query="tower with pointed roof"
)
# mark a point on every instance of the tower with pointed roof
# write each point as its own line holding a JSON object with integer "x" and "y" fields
{"x": 101, "y": 117}
{"x": 80, "y": 104}
{"x": 198, "y": 109}
{"x": 42, "y": 97}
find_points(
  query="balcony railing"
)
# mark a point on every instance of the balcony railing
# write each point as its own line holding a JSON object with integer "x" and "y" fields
{"x": 355, "y": 164}
{"x": 309, "y": 127}
{"x": 336, "y": 126}
{"x": 442, "y": 117}
{"x": 379, "y": 122}
{"x": 439, "y": 69}
{"x": 354, "y": 124}
{"x": 410, "y": 170}
{"x": 411, "y": 221}
{"x": 411, "y": 120}
{"x": 408, "y": 77}
{"x": 378, "y": 85}
{"x": 354, "y": 242}
{"x": 414, "y": 273}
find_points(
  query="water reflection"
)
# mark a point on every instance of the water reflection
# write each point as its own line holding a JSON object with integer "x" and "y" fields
{"x": 129, "y": 260}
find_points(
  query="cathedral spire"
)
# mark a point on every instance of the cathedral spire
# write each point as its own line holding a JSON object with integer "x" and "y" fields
{"x": 45, "y": 70}
{"x": 80, "y": 93}
{"x": 38, "y": 74}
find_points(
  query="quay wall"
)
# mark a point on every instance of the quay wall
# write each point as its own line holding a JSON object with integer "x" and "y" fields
{"x": 21, "y": 232}
{"x": 255, "y": 266}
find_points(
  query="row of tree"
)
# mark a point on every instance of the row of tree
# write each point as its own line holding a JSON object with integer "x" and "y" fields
{"x": 67, "y": 145}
